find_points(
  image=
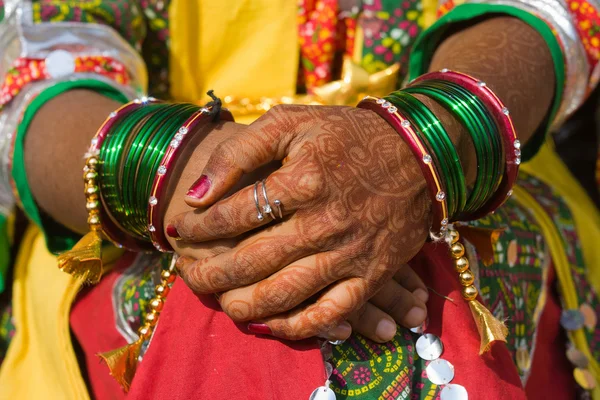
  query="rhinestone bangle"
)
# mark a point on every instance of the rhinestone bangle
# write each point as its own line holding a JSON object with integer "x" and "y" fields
{"x": 511, "y": 144}
{"x": 426, "y": 162}
{"x": 159, "y": 185}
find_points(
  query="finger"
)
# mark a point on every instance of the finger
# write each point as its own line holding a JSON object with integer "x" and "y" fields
{"x": 409, "y": 280}
{"x": 294, "y": 186}
{"x": 252, "y": 260}
{"x": 268, "y": 138}
{"x": 400, "y": 304}
{"x": 328, "y": 312}
{"x": 340, "y": 332}
{"x": 287, "y": 288}
{"x": 373, "y": 323}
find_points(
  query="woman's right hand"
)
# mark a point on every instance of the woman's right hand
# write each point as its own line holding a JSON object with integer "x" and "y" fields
{"x": 400, "y": 301}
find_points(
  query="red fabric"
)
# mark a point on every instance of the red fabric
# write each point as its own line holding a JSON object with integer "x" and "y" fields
{"x": 492, "y": 376}
{"x": 93, "y": 325}
{"x": 197, "y": 352}
{"x": 550, "y": 363}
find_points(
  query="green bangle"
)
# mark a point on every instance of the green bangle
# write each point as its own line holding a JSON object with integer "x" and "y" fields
{"x": 130, "y": 156}
{"x": 471, "y": 113}
{"x": 425, "y": 45}
{"x": 441, "y": 145}
{"x": 58, "y": 238}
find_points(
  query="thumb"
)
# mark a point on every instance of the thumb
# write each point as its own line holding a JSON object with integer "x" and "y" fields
{"x": 265, "y": 140}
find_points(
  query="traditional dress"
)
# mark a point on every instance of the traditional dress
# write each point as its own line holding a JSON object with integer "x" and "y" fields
{"x": 541, "y": 275}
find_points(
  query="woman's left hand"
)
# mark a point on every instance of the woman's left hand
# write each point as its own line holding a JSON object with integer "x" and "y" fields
{"x": 355, "y": 210}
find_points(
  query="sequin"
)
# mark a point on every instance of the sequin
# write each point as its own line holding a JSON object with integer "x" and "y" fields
{"x": 454, "y": 392}
{"x": 589, "y": 316}
{"x": 322, "y": 393}
{"x": 577, "y": 358}
{"x": 440, "y": 372}
{"x": 429, "y": 347}
{"x": 571, "y": 320}
{"x": 584, "y": 378}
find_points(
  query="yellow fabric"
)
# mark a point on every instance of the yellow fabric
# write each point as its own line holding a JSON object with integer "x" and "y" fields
{"x": 41, "y": 363}
{"x": 247, "y": 48}
{"x": 430, "y": 8}
{"x": 548, "y": 167}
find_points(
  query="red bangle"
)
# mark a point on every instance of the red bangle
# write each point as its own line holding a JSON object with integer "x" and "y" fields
{"x": 510, "y": 141}
{"x": 110, "y": 228}
{"x": 426, "y": 162}
{"x": 159, "y": 185}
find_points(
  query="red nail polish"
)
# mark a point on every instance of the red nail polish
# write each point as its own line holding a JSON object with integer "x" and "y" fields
{"x": 172, "y": 232}
{"x": 199, "y": 188}
{"x": 261, "y": 329}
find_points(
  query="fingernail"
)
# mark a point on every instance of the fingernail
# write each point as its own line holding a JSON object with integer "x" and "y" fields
{"x": 340, "y": 332}
{"x": 421, "y": 295}
{"x": 260, "y": 329}
{"x": 385, "y": 330}
{"x": 415, "y": 316}
{"x": 199, "y": 188}
{"x": 172, "y": 232}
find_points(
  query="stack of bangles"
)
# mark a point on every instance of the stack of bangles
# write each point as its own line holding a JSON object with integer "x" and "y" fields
{"x": 128, "y": 166}
{"x": 490, "y": 127}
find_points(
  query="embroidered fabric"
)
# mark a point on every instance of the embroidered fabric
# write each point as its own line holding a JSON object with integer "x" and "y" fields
{"x": 20, "y": 37}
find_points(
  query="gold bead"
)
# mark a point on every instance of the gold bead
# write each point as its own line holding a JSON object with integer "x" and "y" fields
{"x": 93, "y": 219}
{"x": 461, "y": 264}
{"x": 454, "y": 236}
{"x": 152, "y": 318}
{"x": 91, "y": 205}
{"x": 457, "y": 250}
{"x": 92, "y": 161}
{"x": 145, "y": 331}
{"x": 469, "y": 292}
{"x": 157, "y": 304}
{"x": 161, "y": 291}
{"x": 90, "y": 175}
{"x": 91, "y": 189}
{"x": 466, "y": 278}
{"x": 168, "y": 276}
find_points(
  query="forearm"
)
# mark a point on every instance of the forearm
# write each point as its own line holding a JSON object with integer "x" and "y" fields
{"x": 514, "y": 61}
{"x": 56, "y": 142}
{"x": 60, "y": 135}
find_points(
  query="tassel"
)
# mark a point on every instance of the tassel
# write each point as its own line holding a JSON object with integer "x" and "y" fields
{"x": 84, "y": 260}
{"x": 123, "y": 362}
{"x": 490, "y": 328}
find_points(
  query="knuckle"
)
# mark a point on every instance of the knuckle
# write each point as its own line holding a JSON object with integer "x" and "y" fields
{"x": 237, "y": 310}
{"x": 243, "y": 268}
{"x": 219, "y": 220}
{"x": 396, "y": 305}
{"x": 362, "y": 313}
{"x": 308, "y": 187}
{"x": 192, "y": 277}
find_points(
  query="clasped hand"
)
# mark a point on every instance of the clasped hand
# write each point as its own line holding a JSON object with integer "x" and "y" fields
{"x": 354, "y": 210}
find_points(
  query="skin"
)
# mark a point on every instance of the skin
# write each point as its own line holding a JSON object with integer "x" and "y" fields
{"x": 73, "y": 119}
{"x": 355, "y": 203}
{"x": 356, "y": 206}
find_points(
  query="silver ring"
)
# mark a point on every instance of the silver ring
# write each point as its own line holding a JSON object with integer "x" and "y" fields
{"x": 260, "y": 214}
{"x": 267, "y": 207}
